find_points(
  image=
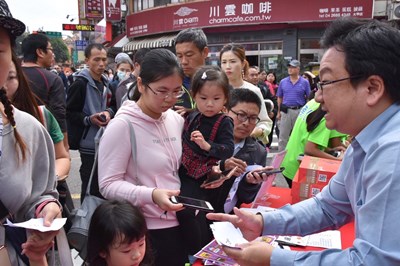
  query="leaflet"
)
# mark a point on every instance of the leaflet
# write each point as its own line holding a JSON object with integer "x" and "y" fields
{"x": 37, "y": 224}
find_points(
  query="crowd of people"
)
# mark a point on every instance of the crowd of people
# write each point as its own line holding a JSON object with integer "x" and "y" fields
{"x": 194, "y": 121}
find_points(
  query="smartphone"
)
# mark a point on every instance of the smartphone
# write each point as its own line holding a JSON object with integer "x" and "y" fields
{"x": 103, "y": 117}
{"x": 197, "y": 204}
{"x": 272, "y": 171}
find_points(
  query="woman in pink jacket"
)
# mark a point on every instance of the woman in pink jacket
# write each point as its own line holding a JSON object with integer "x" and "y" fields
{"x": 158, "y": 131}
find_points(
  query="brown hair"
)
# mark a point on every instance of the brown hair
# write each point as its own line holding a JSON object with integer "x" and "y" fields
{"x": 24, "y": 99}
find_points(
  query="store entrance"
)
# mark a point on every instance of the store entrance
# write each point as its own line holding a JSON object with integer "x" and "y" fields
{"x": 252, "y": 59}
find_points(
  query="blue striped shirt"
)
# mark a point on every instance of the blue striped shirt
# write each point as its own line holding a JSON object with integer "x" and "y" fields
{"x": 294, "y": 94}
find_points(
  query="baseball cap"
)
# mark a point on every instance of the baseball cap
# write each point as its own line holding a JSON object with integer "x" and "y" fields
{"x": 294, "y": 63}
{"x": 7, "y": 21}
{"x": 123, "y": 57}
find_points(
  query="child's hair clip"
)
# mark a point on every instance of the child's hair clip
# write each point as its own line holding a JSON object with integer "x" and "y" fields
{"x": 204, "y": 76}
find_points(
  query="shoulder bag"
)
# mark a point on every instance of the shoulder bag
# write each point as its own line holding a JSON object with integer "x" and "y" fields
{"x": 78, "y": 233}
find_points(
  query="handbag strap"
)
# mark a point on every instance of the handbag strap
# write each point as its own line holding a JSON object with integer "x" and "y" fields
{"x": 64, "y": 251}
{"x": 133, "y": 148}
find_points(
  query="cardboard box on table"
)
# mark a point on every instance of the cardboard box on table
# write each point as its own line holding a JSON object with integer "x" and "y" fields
{"x": 313, "y": 175}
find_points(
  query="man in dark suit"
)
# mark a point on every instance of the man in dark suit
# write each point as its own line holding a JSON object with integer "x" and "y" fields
{"x": 244, "y": 107}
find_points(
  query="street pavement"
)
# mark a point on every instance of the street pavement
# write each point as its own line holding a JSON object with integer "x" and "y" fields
{"x": 74, "y": 183}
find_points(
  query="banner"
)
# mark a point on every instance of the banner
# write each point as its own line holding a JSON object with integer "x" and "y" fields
{"x": 113, "y": 10}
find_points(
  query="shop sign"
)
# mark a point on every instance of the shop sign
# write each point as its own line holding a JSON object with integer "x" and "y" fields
{"x": 241, "y": 12}
{"x": 94, "y": 9}
{"x": 113, "y": 10}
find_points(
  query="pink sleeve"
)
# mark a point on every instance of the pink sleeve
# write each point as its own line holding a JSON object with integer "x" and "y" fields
{"x": 115, "y": 171}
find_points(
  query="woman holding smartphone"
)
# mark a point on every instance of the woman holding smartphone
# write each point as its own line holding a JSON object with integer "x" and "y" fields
{"x": 158, "y": 131}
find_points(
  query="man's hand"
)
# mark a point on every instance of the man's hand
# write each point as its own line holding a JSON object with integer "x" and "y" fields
{"x": 255, "y": 253}
{"x": 251, "y": 225}
{"x": 100, "y": 119}
{"x": 234, "y": 162}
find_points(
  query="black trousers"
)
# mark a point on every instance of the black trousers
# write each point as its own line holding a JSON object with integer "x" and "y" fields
{"x": 85, "y": 170}
{"x": 194, "y": 224}
{"x": 168, "y": 247}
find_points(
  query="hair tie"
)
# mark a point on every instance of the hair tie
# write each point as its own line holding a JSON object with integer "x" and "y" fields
{"x": 14, "y": 126}
{"x": 204, "y": 76}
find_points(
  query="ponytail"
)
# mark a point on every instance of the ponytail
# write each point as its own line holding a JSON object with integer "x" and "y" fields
{"x": 8, "y": 110}
{"x": 314, "y": 118}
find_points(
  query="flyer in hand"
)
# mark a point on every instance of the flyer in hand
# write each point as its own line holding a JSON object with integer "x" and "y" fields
{"x": 225, "y": 235}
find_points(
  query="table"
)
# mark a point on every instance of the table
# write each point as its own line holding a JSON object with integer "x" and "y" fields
{"x": 278, "y": 197}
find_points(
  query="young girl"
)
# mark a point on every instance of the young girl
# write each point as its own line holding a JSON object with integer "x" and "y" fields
{"x": 117, "y": 236}
{"x": 207, "y": 138}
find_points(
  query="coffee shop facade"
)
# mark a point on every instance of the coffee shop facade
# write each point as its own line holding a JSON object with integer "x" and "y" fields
{"x": 272, "y": 32}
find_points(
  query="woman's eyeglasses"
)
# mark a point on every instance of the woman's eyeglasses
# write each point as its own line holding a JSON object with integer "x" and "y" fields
{"x": 166, "y": 94}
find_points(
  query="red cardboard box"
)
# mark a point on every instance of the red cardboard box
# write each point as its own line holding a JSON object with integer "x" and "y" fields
{"x": 314, "y": 170}
{"x": 303, "y": 190}
{"x": 313, "y": 175}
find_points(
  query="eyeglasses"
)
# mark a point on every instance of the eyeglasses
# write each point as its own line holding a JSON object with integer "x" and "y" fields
{"x": 243, "y": 117}
{"x": 323, "y": 83}
{"x": 166, "y": 94}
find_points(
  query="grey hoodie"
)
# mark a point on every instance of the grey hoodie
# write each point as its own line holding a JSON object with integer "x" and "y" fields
{"x": 85, "y": 99}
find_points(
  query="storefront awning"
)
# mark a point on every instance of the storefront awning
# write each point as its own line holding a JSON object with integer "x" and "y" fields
{"x": 163, "y": 41}
{"x": 117, "y": 42}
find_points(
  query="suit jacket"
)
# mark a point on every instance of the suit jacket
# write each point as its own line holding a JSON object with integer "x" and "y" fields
{"x": 252, "y": 153}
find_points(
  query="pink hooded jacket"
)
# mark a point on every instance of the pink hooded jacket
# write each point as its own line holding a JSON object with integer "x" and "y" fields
{"x": 159, "y": 150}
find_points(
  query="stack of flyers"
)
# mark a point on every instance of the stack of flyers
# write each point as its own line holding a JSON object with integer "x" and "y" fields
{"x": 226, "y": 234}
{"x": 212, "y": 254}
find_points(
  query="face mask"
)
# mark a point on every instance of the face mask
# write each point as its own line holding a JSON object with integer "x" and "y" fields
{"x": 121, "y": 75}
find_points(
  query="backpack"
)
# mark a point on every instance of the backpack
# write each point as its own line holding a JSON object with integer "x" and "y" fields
{"x": 74, "y": 131}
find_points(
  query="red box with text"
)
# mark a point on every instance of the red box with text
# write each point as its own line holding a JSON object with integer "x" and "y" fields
{"x": 314, "y": 170}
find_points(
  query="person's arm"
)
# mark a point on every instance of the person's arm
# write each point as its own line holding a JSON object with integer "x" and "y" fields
{"x": 114, "y": 159}
{"x": 63, "y": 162}
{"x": 319, "y": 141}
{"x": 115, "y": 156}
{"x": 278, "y": 114}
{"x": 43, "y": 202}
{"x": 265, "y": 124}
{"x": 246, "y": 190}
{"x": 223, "y": 146}
{"x": 313, "y": 150}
